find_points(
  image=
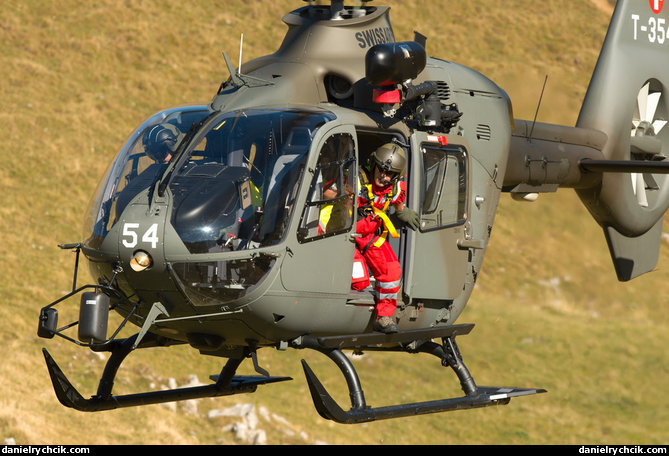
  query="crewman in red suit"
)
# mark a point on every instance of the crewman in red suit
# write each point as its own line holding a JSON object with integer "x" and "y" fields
{"x": 379, "y": 188}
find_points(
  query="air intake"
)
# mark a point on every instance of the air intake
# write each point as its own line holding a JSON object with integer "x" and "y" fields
{"x": 483, "y": 132}
{"x": 443, "y": 91}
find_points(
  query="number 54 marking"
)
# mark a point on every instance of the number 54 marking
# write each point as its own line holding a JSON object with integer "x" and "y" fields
{"x": 130, "y": 237}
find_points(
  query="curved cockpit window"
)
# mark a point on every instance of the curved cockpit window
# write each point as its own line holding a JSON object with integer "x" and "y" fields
{"x": 234, "y": 186}
{"x": 137, "y": 166}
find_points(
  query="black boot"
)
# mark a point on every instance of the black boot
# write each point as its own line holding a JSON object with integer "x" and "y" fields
{"x": 385, "y": 325}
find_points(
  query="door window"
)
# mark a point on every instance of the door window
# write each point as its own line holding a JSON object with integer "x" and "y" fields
{"x": 329, "y": 209}
{"x": 444, "y": 187}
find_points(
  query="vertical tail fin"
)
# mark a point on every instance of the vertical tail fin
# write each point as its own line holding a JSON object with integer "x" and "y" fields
{"x": 628, "y": 99}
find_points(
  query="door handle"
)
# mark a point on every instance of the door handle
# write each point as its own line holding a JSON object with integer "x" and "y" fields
{"x": 464, "y": 244}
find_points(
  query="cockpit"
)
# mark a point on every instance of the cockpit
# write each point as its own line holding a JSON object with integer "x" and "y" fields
{"x": 232, "y": 176}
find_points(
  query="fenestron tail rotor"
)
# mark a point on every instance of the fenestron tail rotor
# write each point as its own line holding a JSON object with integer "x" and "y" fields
{"x": 647, "y": 123}
{"x": 627, "y": 101}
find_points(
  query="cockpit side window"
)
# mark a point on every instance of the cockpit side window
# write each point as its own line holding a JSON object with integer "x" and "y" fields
{"x": 137, "y": 166}
{"x": 329, "y": 209}
{"x": 148, "y": 159}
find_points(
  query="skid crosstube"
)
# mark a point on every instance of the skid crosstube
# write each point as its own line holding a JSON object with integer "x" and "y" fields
{"x": 226, "y": 384}
{"x": 475, "y": 396}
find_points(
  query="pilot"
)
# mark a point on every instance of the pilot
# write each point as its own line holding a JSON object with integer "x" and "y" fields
{"x": 379, "y": 188}
{"x": 160, "y": 143}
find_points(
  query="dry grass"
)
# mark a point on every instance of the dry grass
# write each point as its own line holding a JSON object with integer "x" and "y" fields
{"x": 78, "y": 77}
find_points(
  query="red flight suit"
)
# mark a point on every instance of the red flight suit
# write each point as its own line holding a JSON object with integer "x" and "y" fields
{"x": 373, "y": 247}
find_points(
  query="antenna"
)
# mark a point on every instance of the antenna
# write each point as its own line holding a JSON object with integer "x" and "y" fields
{"x": 529, "y": 138}
{"x": 241, "y": 43}
{"x": 234, "y": 76}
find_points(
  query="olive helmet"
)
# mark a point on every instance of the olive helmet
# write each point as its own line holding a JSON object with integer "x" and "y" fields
{"x": 390, "y": 158}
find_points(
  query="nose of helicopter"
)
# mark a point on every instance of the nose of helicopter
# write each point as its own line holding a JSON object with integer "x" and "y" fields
{"x": 139, "y": 240}
{"x": 133, "y": 248}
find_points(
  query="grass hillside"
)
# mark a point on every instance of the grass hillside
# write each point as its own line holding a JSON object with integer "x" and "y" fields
{"x": 77, "y": 77}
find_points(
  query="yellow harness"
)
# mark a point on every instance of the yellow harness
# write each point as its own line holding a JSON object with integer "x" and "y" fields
{"x": 381, "y": 213}
{"x": 326, "y": 212}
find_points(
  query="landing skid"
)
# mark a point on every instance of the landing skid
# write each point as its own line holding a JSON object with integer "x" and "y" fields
{"x": 475, "y": 396}
{"x": 226, "y": 384}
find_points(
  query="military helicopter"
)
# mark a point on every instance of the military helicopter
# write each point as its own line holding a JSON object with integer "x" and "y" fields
{"x": 205, "y": 228}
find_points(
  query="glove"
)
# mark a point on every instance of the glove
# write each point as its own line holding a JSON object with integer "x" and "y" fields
{"x": 410, "y": 217}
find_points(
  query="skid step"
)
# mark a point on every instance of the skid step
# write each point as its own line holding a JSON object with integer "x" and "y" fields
{"x": 377, "y": 338}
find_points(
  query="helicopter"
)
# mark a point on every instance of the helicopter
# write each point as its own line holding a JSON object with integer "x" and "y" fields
{"x": 207, "y": 228}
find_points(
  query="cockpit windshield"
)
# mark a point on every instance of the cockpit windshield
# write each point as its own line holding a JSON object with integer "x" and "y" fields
{"x": 232, "y": 176}
{"x": 234, "y": 186}
{"x": 138, "y": 165}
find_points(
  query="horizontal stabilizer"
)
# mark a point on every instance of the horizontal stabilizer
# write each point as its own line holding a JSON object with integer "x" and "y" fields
{"x": 625, "y": 166}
